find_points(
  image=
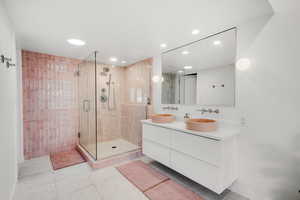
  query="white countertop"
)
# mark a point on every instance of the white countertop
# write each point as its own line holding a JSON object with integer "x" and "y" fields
{"x": 224, "y": 131}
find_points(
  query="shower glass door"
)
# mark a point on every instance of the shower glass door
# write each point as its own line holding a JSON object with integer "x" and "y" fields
{"x": 87, "y": 105}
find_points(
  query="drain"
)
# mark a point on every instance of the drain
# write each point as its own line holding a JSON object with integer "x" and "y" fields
{"x": 114, "y": 147}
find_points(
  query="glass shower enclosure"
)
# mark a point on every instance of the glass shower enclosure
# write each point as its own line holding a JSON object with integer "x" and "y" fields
{"x": 87, "y": 98}
{"x": 112, "y": 101}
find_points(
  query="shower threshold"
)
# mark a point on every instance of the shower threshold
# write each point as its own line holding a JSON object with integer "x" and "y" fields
{"x": 112, "y": 152}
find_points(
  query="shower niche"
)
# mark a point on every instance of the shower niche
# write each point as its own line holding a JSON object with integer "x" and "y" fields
{"x": 111, "y": 104}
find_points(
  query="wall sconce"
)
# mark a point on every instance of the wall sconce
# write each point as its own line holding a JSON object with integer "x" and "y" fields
{"x": 157, "y": 78}
{"x": 8, "y": 65}
{"x": 6, "y": 60}
{"x": 243, "y": 64}
{"x": 215, "y": 86}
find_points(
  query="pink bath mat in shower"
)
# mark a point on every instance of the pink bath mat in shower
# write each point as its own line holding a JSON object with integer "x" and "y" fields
{"x": 141, "y": 175}
{"x": 170, "y": 190}
{"x": 65, "y": 159}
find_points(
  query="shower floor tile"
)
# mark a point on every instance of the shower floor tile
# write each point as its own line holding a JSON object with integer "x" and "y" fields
{"x": 114, "y": 147}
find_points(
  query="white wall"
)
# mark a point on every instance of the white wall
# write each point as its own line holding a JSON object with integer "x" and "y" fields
{"x": 20, "y": 140}
{"x": 268, "y": 98}
{"x": 207, "y": 95}
{"x": 8, "y": 110}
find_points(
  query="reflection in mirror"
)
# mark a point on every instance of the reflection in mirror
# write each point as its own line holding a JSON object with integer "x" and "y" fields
{"x": 202, "y": 72}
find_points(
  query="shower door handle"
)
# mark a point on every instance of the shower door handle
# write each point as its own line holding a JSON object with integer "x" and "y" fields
{"x": 86, "y": 105}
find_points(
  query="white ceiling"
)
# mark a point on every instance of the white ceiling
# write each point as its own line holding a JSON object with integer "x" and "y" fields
{"x": 203, "y": 54}
{"x": 128, "y": 29}
{"x": 285, "y": 5}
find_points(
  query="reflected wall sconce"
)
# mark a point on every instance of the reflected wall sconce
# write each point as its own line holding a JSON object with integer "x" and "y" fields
{"x": 157, "y": 79}
{"x": 215, "y": 86}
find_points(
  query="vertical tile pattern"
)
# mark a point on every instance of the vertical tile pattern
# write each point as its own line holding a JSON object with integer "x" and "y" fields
{"x": 137, "y": 91}
{"x": 138, "y": 82}
{"x": 109, "y": 117}
{"x": 50, "y": 112}
{"x": 50, "y": 103}
{"x": 87, "y": 105}
{"x": 132, "y": 87}
{"x": 131, "y": 126}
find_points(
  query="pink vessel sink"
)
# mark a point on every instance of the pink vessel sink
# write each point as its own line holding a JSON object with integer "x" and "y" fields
{"x": 163, "y": 118}
{"x": 204, "y": 125}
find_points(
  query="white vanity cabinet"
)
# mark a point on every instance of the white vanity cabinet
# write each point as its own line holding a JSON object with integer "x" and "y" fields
{"x": 209, "y": 159}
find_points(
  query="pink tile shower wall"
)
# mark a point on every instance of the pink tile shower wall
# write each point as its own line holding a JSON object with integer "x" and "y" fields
{"x": 138, "y": 82}
{"x": 131, "y": 127}
{"x": 109, "y": 120}
{"x": 50, "y": 114}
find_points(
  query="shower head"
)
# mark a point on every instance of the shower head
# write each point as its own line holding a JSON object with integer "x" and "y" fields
{"x": 104, "y": 72}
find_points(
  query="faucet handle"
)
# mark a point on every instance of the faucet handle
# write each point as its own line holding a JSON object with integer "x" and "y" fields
{"x": 166, "y": 108}
{"x": 187, "y": 115}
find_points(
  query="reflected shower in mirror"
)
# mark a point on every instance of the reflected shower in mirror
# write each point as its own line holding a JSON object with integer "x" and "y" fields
{"x": 201, "y": 72}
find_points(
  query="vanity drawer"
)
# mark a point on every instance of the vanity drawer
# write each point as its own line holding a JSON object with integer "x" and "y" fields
{"x": 197, "y": 170}
{"x": 201, "y": 148}
{"x": 157, "y": 134}
{"x": 157, "y": 152}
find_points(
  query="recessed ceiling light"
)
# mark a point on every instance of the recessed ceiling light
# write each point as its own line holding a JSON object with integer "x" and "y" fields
{"x": 76, "y": 42}
{"x": 217, "y": 43}
{"x": 195, "y": 32}
{"x": 123, "y": 62}
{"x": 113, "y": 59}
{"x": 188, "y": 67}
{"x": 180, "y": 71}
{"x": 185, "y": 52}
{"x": 163, "y": 45}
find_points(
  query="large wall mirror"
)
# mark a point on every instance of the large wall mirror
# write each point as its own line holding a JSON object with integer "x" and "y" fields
{"x": 201, "y": 72}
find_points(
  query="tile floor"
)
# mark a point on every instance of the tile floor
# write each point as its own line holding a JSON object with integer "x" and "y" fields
{"x": 37, "y": 181}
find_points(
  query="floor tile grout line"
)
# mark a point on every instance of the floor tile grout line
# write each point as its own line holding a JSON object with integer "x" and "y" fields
{"x": 37, "y": 179}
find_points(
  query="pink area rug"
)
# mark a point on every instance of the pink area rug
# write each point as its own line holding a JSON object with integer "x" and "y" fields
{"x": 170, "y": 190}
{"x": 65, "y": 159}
{"x": 141, "y": 175}
{"x": 155, "y": 185}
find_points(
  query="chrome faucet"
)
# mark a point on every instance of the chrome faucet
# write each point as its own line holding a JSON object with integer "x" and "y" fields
{"x": 203, "y": 110}
{"x": 216, "y": 111}
{"x": 170, "y": 108}
{"x": 187, "y": 116}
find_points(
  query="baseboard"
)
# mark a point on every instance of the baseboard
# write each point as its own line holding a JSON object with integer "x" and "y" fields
{"x": 240, "y": 191}
{"x": 13, "y": 190}
{"x": 98, "y": 164}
